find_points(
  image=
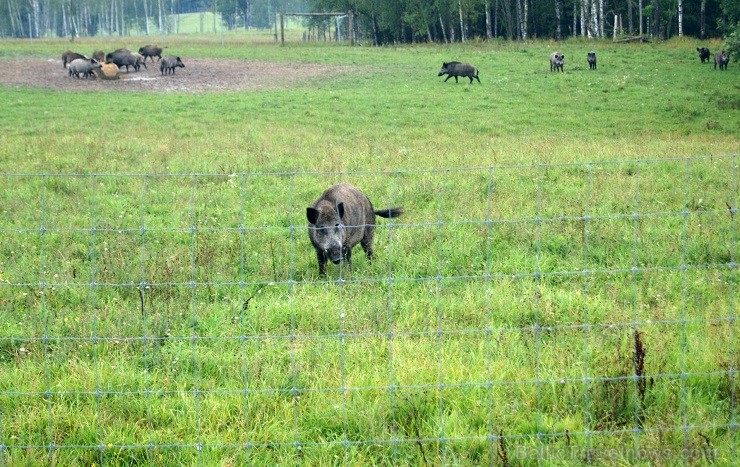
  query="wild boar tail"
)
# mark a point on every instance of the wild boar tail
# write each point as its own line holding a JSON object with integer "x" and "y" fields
{"x": 388, "y": 213}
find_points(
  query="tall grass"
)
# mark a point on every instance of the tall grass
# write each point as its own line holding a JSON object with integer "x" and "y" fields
{"x": 561, "y": 289}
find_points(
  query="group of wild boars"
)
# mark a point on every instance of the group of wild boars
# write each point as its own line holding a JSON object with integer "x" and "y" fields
{"x": 591, "y": 58}
{"x": 109, "y": 65}
{"x": 556, "y": 61}
{"x": 703, "y": 53}
{"x": 341, "y": 218}
{"x": 151, "y": 51}
{"x": 168, "y": 64}
{"x": 721, "y": 59}
{"x": 83, "y": 66}
{"x": 455, "y": 69}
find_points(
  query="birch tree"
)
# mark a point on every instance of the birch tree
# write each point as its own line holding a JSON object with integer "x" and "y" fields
{"x": 680, "y": 18}
{"x": 146, "y": 17}
{"x": 489, "y": 29}
{"x": 462, "y": 23}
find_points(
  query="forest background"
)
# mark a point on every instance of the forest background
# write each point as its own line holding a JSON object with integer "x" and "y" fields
{"x": 386, "y": 21}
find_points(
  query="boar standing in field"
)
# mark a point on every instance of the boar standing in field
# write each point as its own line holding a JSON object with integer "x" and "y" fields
{"x": 591, "y": 57}
{"x": 84, "y": 66}
{"x": 169, "y": 63}
{"x": 703, "y": 54}
{"x": 721, "y": 59}
{"x": 556, "y": 61}
{"x": 341, "y": 218}
{"x": 151, "y": 51}
{"x": 68, "y": 56}
{"x": 123, "y": 57}
{"x": 99, "y": 55}
{"x": 458, "y": 69}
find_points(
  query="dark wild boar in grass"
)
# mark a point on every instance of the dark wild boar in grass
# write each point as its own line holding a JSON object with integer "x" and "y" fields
{"x": 591, "y": 57}
{"x": 556, "y": 61}
{"x": 703, "y": 53}
{"x": 341, "y": 218}
{"x": 458, "y": 69}
{"x": 168, "y": 65}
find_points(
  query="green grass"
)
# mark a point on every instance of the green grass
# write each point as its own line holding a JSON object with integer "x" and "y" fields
{"x": 503, "y": 303}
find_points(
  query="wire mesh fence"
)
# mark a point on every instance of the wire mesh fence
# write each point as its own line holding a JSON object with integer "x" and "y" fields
{"x": 574, "y": 313}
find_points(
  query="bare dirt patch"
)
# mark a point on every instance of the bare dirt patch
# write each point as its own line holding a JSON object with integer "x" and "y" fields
{"x": 199, "y": 75}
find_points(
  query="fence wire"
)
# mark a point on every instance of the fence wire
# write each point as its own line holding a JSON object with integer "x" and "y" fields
{"x": 514, "y": 314}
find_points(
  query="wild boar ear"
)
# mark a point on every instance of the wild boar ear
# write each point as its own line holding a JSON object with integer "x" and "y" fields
{"x": 312, "y": 215}
{"x": 340, "y": 210}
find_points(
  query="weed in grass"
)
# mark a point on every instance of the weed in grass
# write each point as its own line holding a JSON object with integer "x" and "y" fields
{"x": 502, "y": 453}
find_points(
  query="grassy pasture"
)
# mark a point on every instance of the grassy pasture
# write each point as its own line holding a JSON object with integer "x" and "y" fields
{"x": 561, "y": 290}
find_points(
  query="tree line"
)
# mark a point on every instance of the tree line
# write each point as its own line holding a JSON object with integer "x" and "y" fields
{"x": 387, "y": 21}
{"x": 78, "y": 18}
{"x": 393, "y": 21}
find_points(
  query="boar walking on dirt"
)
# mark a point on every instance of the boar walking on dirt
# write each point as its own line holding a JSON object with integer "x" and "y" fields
{"x": 140, "y": 60}
{"x": 151, "y": 51}
{"x": 458, "y": 69}
{"x": 123, "y": 58}
{"x": 169, "y": 63}
{"x": 341, "y": 218}
{"x": 84, "y": 66}
{"x": 68, "y": 56}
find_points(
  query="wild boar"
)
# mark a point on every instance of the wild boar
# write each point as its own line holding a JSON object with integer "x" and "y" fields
{"x": 458, "y": 69}
{"x": 99, "y": 55}
{"x": 140, "y": 60}
{"x": 84, "y": 66}
{"x": 591, "y": 57}
{"x": 68, "y": 56}
{"x": 703, "y": 54}
{"x": 151, "y": 51}
{"x": 341, "y": 218}
{"x": 556, "y": 61}
{"x": 123, "y": 57}
{"x": 721, "y": 59}
{"x": 169, "y": 63}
